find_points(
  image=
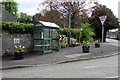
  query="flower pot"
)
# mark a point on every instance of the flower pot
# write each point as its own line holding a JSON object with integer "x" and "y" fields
{"x": 97, "y": 45}
{"x": 18, "y": 55}
{"x": 86, "y": 49}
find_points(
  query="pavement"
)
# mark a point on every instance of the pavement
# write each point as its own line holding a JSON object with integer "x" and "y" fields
{"x": 64, "y": 55}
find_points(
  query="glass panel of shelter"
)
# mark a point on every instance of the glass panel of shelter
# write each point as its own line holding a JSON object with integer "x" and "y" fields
{"x": 55, "y": 40}
{"x": 37, "y": 38}
{"x": 47, "y": 39}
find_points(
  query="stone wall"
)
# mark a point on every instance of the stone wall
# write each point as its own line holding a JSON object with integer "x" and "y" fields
{"x": 8, "y": 45}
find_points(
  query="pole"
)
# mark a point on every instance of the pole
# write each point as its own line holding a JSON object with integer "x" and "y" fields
{"x": 70, "y": 18}
{"x": 69, "y": 23}
{"x": 102, "y": 38}
{"x": 80, "y": 34}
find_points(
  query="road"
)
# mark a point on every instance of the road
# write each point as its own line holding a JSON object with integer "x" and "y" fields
{"x": 97, "y": 68}
{"x": 113, "y": 42}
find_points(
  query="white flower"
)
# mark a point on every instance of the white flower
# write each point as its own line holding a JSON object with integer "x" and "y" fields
{"x": 23, "y": 47}
{"x": 20, "y": 46}
{"x": 15, "y": 46}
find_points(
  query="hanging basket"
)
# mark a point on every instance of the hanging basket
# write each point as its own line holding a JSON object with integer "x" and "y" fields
{"x": 86, "y": 49}
{"x": 18, "y": 55}
{"x": 97, "y": 45}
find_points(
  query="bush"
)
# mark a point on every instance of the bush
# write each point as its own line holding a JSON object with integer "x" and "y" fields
{"x": 14, "y": 27}
{"x": 73, "y": 32}
{"x": 65, "y": 31}
{"x": 87, "y": 32}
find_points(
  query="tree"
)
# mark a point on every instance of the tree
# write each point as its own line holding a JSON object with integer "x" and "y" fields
{"x": 111, "y": 22}
{"x": 11, "y": 7}
{"x": 74, "y": 12}
{"x": 24, "y": 18}
{"x": 52, "y": 16}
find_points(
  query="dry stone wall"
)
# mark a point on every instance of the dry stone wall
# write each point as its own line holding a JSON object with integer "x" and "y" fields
{"x": 8, "y": 43}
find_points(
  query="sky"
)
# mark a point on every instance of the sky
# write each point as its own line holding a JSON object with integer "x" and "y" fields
{"x": 31, "y": 6}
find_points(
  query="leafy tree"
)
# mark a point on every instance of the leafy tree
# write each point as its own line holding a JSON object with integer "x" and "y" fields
{"x": 111, "y": 22}
{"x": 24, "y": 18}
{"x": 11, "y": 7}
{"x": 73, "y": 12}
{"x": 52, "y": 16}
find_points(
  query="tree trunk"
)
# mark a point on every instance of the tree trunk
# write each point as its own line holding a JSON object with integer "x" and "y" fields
{"x": 105, "y": 32}
{"x": 69, "y": 40}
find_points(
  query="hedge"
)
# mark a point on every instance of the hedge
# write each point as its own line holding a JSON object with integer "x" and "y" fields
{"x": 69, "y": 31}
{"x": 14, "y": 27}
{"x": 22, "y": 28}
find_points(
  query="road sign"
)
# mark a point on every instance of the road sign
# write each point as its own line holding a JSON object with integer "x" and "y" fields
{"x": 103, "y": 19}
{"x": 16, "y": 40}
{"x": 62, "y": 37}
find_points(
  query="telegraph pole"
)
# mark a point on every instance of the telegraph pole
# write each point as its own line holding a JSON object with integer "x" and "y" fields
{"x": 69, "y": 22}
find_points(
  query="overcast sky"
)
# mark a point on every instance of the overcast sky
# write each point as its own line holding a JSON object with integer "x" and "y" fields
{"x": 30, "y": 6}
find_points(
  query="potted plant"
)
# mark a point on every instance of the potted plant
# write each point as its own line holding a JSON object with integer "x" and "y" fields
{"x": 86, "y": 46}
{"x": 86, "y": 37}
{"x": 18, "y": 54}
{"x": 97, "y": 43}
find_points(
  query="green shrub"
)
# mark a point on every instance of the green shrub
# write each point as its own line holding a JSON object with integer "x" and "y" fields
{"x": 87, "y": 32}
{"x": 65, "y": 31}
{"x": 73, "y": 32}
{"x": 14, "y": 27}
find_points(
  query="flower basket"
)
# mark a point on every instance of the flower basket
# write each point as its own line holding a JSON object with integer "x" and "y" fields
{"x": 97, "y": 45}
{"x": 18, "y": 55}
{"x": 86, "y": 46}
{"x": 86, "y": 49}
{"x": 86, "y": 36}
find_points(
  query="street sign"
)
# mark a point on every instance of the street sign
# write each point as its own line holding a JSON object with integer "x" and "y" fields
{"x": 16, "y": 40}
{"x": 103, "y": 19}
{"x": 62, "y": 37}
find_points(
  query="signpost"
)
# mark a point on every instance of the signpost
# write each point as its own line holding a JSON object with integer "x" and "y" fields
{"x": 62, "y": 37}
{"x": 16, "y": 40}
{"x": 102, "y": 20}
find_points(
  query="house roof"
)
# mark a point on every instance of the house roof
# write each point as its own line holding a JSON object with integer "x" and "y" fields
{"x": 113, "y": 30}
{"x": 6, "y": 16}
{"x": 49, "y": 24}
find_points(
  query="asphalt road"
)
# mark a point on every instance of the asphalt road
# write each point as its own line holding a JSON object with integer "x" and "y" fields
{"x": 97, "y": 68}
{"x": 113, "y": 42}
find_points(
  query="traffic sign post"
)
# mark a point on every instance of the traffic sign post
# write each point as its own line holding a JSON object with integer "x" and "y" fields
{"x": 102, "y": 20}
{"x": 62, "y": 37}
{"x": 102, "y": 38}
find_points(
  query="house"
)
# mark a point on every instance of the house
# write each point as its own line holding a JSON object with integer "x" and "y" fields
{"x": 5, "y": 16}
{"x": 112, "y": 33}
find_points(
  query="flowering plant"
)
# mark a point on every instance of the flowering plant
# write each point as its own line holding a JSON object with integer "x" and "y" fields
{"x": 19, "y": 48}
{"x": 86, "y": 43}
{"x": 97, "y": 41}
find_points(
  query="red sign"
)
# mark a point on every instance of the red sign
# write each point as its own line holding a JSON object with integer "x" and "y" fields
{"x": 103, "y": 19}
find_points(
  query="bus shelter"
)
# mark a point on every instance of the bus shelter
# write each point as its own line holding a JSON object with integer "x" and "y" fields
{"x": 45, "y": 37}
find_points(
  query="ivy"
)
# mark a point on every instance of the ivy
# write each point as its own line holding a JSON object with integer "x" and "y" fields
{"x": 14, "y": 27}
{"x": 69, "y": 31}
